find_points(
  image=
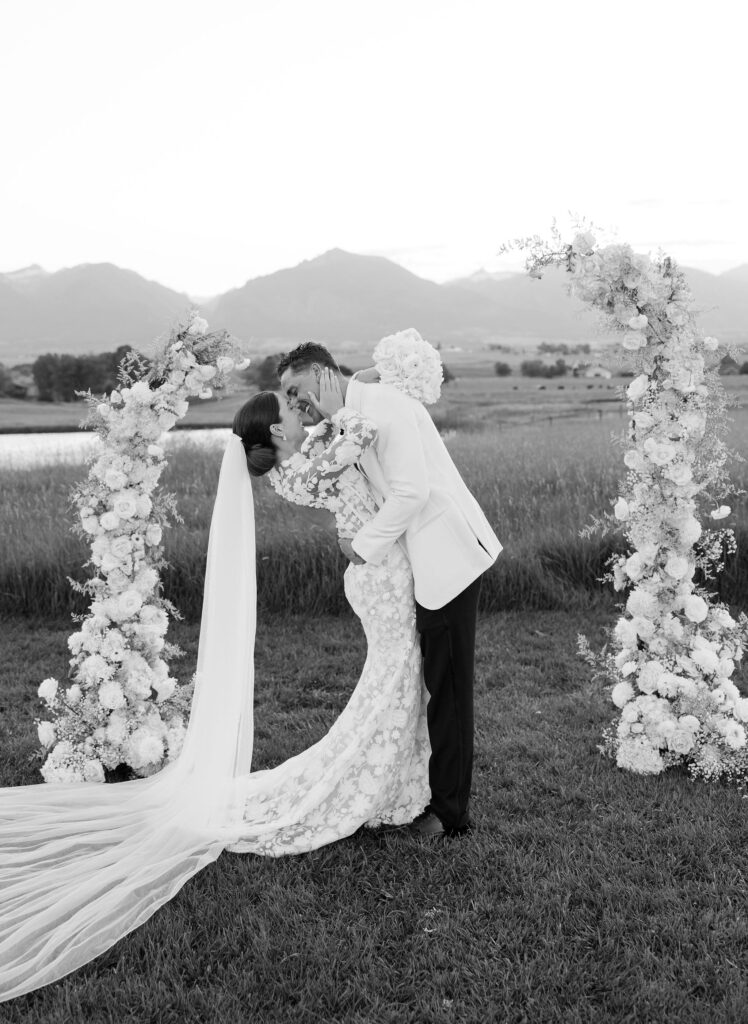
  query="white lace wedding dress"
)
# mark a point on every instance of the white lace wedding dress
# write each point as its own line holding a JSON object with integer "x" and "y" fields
{"x": 83, "y": 864}
{"x": 372, "y": 766}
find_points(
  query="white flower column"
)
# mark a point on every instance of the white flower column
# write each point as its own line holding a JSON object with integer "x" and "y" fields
{"x": 675, "y": 646}
{"x": 123, "y": 706}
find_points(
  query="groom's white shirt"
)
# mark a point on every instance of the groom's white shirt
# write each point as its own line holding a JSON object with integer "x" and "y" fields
{"x": 424, "y": 502}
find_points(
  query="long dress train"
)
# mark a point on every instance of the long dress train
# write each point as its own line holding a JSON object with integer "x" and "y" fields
{"x": 83, "y": 864}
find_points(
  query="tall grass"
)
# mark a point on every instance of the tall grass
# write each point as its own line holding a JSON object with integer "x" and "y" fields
{"x": 538, "y": 484}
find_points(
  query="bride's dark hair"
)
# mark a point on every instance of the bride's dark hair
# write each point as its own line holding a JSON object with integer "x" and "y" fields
{"x": 252, "y": 424}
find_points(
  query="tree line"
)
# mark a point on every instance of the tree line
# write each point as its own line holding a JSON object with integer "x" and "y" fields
{"x": 58, "y": 376}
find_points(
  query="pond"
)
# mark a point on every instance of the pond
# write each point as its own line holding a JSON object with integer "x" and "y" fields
{"x": 24, "y": 451}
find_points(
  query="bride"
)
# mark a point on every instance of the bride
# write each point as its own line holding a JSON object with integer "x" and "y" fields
{"x": 82, "y": 865}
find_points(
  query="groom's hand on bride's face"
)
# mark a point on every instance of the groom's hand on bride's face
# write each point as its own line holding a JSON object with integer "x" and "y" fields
{"x": 347, "y": 548}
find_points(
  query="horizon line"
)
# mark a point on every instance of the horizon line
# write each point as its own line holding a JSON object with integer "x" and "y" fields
{"x": 310, "y": 259}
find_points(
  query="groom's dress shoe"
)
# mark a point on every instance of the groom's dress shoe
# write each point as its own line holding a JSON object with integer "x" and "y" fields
{"x": 428, "y": 826}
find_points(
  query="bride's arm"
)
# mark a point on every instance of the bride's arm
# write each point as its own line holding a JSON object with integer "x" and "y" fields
{"x": 302, "y": 479}
{"x": 354, "y": 435}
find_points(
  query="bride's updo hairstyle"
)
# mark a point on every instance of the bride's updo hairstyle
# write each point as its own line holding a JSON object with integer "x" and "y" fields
{"x": 252, "y": 424}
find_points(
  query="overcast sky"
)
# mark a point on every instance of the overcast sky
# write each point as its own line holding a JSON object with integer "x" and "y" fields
{"x": 204, "y": 143}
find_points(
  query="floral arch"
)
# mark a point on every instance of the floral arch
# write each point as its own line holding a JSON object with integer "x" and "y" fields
{"x": 676, "y": 647}
{"x": 122, "y": 706}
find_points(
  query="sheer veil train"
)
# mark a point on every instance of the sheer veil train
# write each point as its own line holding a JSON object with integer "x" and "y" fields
{"x": 83, "y": 864}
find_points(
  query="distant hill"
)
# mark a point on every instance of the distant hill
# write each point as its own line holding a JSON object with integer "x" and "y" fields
{"x": 94, "y": 307}
{"x": 339, "y": 297}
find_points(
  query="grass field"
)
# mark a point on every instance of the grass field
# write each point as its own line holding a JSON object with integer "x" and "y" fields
{"x": 539, "y": 484}
{"x": 538, "y": 488}
{"x": 585, "y": 895}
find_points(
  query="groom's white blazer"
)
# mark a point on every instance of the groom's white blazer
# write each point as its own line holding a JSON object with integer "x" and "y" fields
{"x": 424, "y": 503}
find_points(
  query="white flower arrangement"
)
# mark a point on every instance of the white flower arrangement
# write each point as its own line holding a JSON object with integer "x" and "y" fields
{"x": 123, "y": 707}
{"x": 409, "y": 363}
{"x": 676, "y": 646}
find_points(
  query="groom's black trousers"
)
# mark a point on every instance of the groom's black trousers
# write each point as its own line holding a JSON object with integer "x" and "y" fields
{"x": 448, "y": 648}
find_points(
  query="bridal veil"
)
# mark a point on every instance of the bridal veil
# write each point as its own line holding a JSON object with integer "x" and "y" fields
{"x": 83, "y": 864}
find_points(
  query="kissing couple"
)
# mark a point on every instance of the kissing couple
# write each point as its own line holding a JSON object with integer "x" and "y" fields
{"x": 83, "y": 864}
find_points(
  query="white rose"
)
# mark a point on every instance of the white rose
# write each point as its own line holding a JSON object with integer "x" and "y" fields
{"x": 640, "y": 602}
{"x": 114, "y": 479}
{"x": 633, "y": 460}
{"x": 103, "y": 409}
{"x": 111, "y": 695}
{"x": 141, "y": 392}
{"x": 734, "y": 735}
{"x": 153, "y": 534}
{"x": 681, "y": 741}
{"x": 643, "y": 420}
{"x": 205, "y": 393}
{"x": 48, "y": 689}
{"x": 633, "y": 340}
{"x": 93, "y": 770}
{"x": 706, "y": 660}
{"x": 693, "y": 422}
{"x": 696, "y": 609}
{"x": 721, "y": 513}
{"x": 634, "y": 566}
{"x": 584, "y": 242}
{"x": 741, "y": 709}
{"x": 206, "y": 371}
{"x": 668, "y": 684}
{"x": 125, "y": 504}
{"x": 74, "y": 694}
{"x": 689, "y": 722}
{"x": 659, "y": 452}
{"x": 109, "y": 521}
{"x": 155, "y": 451}
{"x": 625, "y": 633}
{"x": 690, "y": 530}
{"x": 90, "y": 524}
{"x": 649, "y": 676}
{"x": 621, "y": 694}
{"x": 121, "y": 547}
{"x": 198, "y": 327}
{"x": 644, "y": 627}
{"x": 164, "y": 689}
{"x": 711, "y": 344}
{"x": 621, "y": 509}
{"x": 637, "y": 387}
{"x": 679, "y": 473}
{"x": 243, "y": 364}
{"x": 677, "y": 566}
{"x": 638, "y": 323}
{"x": 143, "y": 505}
{"x": 723, "y": 618}
{"x": 130, "y": 602}
{"x": 47, "y": 735}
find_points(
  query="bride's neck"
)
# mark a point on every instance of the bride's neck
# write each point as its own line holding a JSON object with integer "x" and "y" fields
{"x": 286, "y": 448}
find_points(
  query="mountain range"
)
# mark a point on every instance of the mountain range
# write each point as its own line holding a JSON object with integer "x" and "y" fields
{"x": 341, "y": 298}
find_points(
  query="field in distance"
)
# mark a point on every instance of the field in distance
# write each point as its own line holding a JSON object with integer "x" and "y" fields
{"x": 477, "y": 397}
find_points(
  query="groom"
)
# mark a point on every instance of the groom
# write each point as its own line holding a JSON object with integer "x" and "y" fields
{"x": 425, "y": 505}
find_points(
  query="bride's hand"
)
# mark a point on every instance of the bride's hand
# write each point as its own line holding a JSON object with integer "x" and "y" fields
{"x": 370, "y": 375}
{"x": 330, "y": 395}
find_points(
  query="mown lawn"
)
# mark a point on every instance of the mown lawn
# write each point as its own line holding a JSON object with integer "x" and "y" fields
{"x": 585, "y": 894}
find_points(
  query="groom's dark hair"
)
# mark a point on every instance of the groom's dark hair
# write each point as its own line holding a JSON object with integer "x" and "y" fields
{"x": 304, "y": 355}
